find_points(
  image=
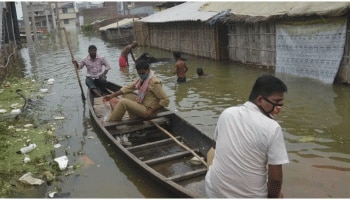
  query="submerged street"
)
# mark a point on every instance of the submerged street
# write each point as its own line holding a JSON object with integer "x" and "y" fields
{"x": 315, "y": 120}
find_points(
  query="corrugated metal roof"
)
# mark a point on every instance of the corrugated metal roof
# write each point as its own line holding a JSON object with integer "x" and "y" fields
{"x": 188, "y": 11}
{"x": 120, "y": 24}
{"x": 290, "y": 9}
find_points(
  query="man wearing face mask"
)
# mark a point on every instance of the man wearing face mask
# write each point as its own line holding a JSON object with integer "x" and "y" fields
{"x": 249, "y": 146}
{"x": 151, "y": 96}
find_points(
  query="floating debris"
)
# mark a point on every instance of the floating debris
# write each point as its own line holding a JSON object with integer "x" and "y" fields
{"x": 27, "y": 178}
{"x": 3, "y": 111}
{"x": 62, "y": 162}
{"x": 28, "y": 125}
{"x": 26, "y": 159}
{"x": 26, "y": 149}
{"x": 56, "y": 146}
{"x": 59, "y": 118}
{"x": 91, "y": 137}
{"x": 14, "y": 105}
{"x": 59, "y": 195}
{"x": 44, "y": 90}
{"x": 16, "y": 111}
{"x": 52, "y": 194}
{"x": 50, "y": 81}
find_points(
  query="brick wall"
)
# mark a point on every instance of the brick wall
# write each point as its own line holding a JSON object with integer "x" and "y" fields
{"x": 93, "y": 14}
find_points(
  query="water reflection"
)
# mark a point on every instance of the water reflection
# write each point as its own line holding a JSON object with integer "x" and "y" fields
{"x": 315, "y": 119}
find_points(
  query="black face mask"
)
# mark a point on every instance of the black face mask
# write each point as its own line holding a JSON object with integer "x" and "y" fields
{"x": 268, "y": 113}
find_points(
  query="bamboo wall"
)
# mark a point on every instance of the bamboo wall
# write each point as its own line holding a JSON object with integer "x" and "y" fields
{"x": 252, "y": 43}
{"x": 194, "y": 38}
{"x": 141, "y": 33}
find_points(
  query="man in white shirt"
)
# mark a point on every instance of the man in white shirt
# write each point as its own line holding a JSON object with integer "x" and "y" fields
{"x": 249, "y": 146}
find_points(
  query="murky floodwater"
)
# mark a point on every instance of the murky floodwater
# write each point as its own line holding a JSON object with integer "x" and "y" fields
{"x": 316, "y": 121}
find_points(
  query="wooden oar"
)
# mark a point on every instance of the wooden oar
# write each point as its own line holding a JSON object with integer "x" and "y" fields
{"x": 178, "y": 142}
{"x": 76, "y": 70}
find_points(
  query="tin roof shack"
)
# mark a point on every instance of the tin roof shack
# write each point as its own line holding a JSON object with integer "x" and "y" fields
{"x": 308, "y": 39}
{"x": 120, "y": 32}
{"x": 184, "y": 28}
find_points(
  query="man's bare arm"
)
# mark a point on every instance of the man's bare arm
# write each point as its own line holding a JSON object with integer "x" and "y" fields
{"x": 274, "y": 184}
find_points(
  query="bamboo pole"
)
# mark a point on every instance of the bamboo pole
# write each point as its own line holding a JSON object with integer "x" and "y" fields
{"x": 179, "y": 143}
{"x": 76, "y": 70}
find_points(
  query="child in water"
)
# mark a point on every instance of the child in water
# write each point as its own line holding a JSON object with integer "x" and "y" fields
{"x": 180, "y": 67}
{"x": 200, "y": 72}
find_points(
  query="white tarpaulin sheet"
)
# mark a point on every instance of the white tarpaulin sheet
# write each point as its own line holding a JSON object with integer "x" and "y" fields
{"x": 311, "y": 50}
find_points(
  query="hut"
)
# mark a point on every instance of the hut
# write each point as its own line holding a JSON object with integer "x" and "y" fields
{"x": 308, "y": 39}
{"x": 120, "y": 32}
{"x": 184, "y": 28}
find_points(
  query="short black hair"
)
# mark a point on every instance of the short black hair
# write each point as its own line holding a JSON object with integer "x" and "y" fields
{"x": 200, "y": 71}
{"x": 92, "y": 47}
{"x": 142, "y": 64}
{"x": 177, "y": 54}
{"x": 266, "y": 85}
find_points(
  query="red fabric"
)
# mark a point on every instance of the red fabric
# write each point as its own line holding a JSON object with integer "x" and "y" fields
{"x": 122, "y": 62}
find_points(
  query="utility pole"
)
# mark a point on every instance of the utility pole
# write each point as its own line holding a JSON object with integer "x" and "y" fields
{"x": 26, "y": 23}
{"x": 53, "y": 16}
{"x": 47, "y": 21}
{"x": 33, "y": 22}
{"x": 58, "y": 17}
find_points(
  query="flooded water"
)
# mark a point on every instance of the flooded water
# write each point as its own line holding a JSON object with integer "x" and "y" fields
{"x": 316, "y": 121}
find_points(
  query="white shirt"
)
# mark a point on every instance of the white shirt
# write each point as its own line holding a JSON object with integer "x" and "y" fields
{"x": 246, "y": 141}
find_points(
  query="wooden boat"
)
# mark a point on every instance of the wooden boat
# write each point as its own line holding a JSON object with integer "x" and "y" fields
{"x": 167, "y": 148}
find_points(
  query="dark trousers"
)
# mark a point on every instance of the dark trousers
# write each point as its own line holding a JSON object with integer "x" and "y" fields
{"x": 180, "y": 80}
{"x": 100, "y": 84}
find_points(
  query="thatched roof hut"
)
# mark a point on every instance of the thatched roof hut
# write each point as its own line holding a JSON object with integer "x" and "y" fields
{"x": 302, "y": 38}
{"x": 120, "y": 32}
{"x": 183, "y": 28}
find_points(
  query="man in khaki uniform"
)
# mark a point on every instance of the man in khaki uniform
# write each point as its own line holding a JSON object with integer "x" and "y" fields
{"x": 150, "y": 99}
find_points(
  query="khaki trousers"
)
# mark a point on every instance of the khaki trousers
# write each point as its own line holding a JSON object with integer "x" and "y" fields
{"x": 127, "y": 104}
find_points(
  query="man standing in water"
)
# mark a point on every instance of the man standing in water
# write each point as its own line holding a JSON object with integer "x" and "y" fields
{"x": 123, "y": 59}
{"x": 96, "y": 76}
{"x": 249, "y": 146}
{"x": 180, "y": 67}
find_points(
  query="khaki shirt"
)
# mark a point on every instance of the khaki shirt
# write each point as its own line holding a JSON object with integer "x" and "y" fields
{"x": 154, "y": 95}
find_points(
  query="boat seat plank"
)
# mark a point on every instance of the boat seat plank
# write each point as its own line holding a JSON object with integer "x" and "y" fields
{"x": 120, "y": 130}
{"x": 152, "y": 144}
{"x": 135, "y": 121}
{"x": 168, "y": 157}
{"x": 188, "y": 175}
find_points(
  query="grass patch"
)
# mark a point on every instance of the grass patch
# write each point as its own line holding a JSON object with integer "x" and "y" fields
{"x": 17, "y": 132}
